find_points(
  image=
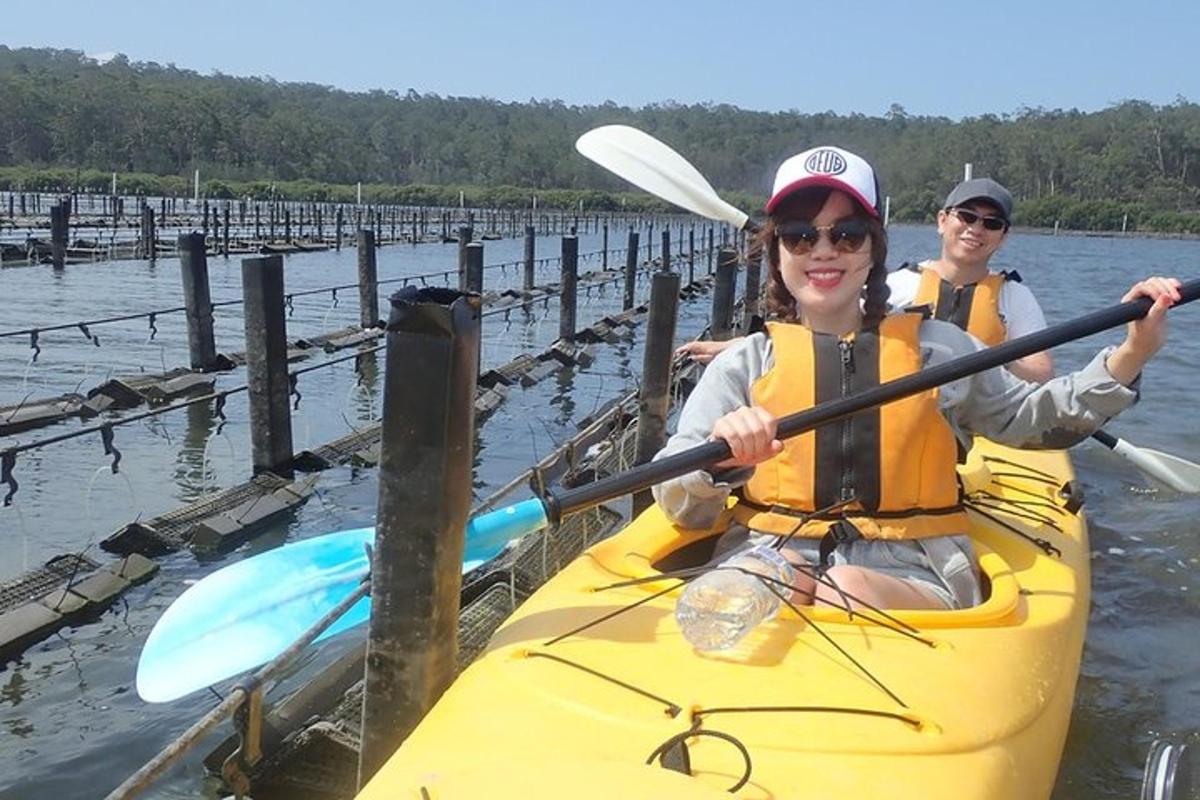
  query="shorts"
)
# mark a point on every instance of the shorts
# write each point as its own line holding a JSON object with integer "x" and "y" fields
{"x": 944, "y": 565}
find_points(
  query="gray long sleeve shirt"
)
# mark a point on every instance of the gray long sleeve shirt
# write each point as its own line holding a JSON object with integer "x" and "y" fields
{"x": 994, "y": 404}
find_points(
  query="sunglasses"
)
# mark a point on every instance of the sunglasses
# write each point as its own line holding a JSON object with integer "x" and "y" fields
{"x": 969, "y": 218}
{"x": 799, "y": 237}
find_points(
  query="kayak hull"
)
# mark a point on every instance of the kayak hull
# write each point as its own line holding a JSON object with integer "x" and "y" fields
{"x": 976, "y": 704}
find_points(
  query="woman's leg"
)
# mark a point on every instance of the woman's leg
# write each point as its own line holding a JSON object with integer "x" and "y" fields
{"x": 875, "y": 589}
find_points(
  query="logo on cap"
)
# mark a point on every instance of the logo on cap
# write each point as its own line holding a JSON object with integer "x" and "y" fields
{"x": 825, "y": 162}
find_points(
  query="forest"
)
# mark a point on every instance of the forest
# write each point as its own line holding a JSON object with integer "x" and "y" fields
{"x": 67, "y": 121}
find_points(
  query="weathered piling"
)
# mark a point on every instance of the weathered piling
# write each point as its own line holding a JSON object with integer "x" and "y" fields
{"x": 465, "y": 234}
{"x": 604, "y": 249}
{"x": 266, "y": 365}
{"x": 58, "y": 235}
{"x": 654, "y": 396}
{"x": 337, "y": 227}
{"x": 474, "y": 268}
{"x": 721, "y": 326}
{"x": 193, "y": 261}
{"x": 424, "y": 496}
{"x": 631, "y": 260}
{"x": 753, "y": 284}
{"x": 692, "y": 255}
{"x": 666, "y": 249}
{"x": 530, "y": 236}
{"x": 225, "y": 233}
{"x": 568, "y": 290}
{"x": 368, "y": 280}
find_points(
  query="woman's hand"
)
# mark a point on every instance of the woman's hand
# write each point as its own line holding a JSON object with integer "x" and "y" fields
{"x": 703, "y": 351}
{"x": 1144, "y": 337}
{"x": 750, "y": 433}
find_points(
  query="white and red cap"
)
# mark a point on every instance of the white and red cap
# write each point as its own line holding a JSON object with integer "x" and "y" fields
{"x": 827, "y": 166}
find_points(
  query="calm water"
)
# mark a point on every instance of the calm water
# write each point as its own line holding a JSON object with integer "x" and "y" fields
{"x": 70, "y": 722}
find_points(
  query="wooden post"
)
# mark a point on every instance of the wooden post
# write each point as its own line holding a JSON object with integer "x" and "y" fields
{"x": 58, "y": 235}
{"x": 655, "y": 394}
{"x": 570, "y": 273}
{"x": 473, "y": 268}
{"x": 529, "y": 257}
{"x": 225, "y": 233}
{"x": 465, "y": 234}
{"x": 337, "y": 225}
{"x": 604, "y": 249}
{"x": 712, "y": 250}
{"x": 721, "y": 326}
{"x": 193, "y": 261}
{"x": 266, "y": 365}
{"x": 368, "y": 280}
{"x": 666, "y": 250}
{"x": 424, "y": 498}
{"x": 151, "y": 235}
{"x": 631, "y": 263}
{"x": 753, "y": 283}
{"x": 692, "y": 255}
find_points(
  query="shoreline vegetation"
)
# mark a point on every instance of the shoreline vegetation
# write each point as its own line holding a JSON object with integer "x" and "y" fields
{"x": 71, "y": 122}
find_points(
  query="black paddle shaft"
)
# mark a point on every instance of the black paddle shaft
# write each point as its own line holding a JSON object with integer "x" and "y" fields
{"x": 705, "y": 455}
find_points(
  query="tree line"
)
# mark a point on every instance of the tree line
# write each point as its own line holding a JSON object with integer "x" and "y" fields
{"x": 69, "y": 120}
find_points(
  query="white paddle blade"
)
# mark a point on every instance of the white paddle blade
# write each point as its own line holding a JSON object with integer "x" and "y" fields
{"x": 1177, "y": 473}
{"x": 653, "y": 166}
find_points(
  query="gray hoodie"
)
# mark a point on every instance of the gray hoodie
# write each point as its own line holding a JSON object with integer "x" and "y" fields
{"x": 994, "y": 404}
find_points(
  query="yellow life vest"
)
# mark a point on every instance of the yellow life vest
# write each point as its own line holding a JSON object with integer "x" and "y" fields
{"x": 975, "y": 307}
{"x": 895, "y": 464}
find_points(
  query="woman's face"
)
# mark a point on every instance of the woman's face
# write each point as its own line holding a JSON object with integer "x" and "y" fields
{"x": 825, "y": 280}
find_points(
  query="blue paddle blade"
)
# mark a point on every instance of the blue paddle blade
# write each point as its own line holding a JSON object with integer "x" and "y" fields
{"x": 488, "y": 534}
{"x": 242, "y": 616}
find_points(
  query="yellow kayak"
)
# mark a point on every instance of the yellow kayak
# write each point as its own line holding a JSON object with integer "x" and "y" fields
{"x": 587, "y": 682}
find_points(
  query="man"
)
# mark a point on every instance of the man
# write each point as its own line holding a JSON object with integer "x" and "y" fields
{"x": 959, "y": 287}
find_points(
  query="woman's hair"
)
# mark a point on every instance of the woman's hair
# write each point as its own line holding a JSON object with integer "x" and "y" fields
{"x": 806, "y": 204}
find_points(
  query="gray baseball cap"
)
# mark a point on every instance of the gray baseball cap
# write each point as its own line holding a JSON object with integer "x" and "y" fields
{"x": 984, "y": 189}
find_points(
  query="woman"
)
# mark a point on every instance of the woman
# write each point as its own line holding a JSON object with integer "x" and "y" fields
{"x": 877, "y": 492}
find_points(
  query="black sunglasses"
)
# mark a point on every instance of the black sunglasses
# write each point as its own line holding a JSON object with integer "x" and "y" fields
{"x": 799, "y": 237}
{"x": 969, "y": 218}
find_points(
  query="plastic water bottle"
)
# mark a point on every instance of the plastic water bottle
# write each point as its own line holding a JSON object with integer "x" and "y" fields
{"x": 721, "y": 606}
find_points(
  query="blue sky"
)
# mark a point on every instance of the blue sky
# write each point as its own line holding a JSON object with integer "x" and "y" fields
{"x": 951, "y": 58}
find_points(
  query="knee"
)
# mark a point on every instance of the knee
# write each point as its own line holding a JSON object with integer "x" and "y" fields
{"x": 853, "y": 583}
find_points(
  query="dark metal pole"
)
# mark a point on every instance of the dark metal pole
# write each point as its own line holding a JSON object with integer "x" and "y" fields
{"x": 424, "y": 498}
{"x": 570, "y": 274}
{"x": 631, "y": 261}
{"x": 193, "y": 261}
{"x": 721, "y": 327}
{"x": 368, "y": 280}
{"x": 266, "y": 365}
{"x": 655, "y": 395}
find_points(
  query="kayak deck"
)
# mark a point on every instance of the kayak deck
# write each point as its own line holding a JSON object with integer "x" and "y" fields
{"x": 966, "y": 703}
